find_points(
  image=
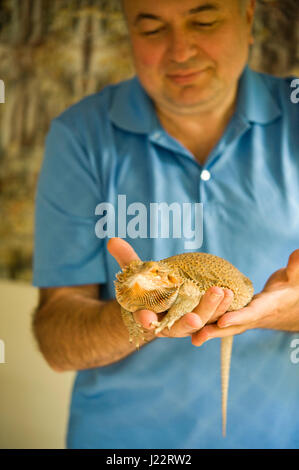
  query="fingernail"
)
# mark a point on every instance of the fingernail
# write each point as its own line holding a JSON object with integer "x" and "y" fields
{"x": 225, "y": 325}
{"x": 218, "y": 292}
{"x": 216, "y": 296}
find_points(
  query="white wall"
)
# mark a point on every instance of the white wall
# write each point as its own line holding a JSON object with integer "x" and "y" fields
{"x": 34, "y": 400}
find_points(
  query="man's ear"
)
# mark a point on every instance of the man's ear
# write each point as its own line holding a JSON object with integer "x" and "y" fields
{"x": 250, "y": 10}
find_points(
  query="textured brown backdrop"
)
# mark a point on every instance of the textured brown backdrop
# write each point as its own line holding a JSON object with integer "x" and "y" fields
{"x": 54, "y": 52}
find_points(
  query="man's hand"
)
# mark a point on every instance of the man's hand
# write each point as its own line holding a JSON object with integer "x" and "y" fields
{"x": 213, "y": 304}
{"x": 276, "y": 307}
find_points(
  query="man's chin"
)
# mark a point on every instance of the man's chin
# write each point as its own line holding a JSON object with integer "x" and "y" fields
{"x": 189, "y": 104}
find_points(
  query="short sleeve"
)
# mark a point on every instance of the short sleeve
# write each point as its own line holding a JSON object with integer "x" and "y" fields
{"x": 66, "y": 248}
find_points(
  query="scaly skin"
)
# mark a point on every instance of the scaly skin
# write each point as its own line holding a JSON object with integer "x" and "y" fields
{"x": 175, "y": 286}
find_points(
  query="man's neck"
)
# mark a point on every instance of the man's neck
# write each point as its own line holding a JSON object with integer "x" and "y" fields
{"x": 205, "y": 122}
{"x": 200, "y": 131}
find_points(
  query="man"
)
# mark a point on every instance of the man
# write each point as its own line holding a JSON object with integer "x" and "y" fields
{"x": 195, "y": 125}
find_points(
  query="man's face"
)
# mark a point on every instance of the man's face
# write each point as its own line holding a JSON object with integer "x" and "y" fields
{"x": 189, "y": 54}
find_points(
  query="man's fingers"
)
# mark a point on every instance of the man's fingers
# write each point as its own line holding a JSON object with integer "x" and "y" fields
{"x": 212, "y": 331}
{"x": 209, "y": 303}
{"x": 185, "y": 326}
{"x": 261, "y": 305}
{"x": 121, "y": 251}
{"x": 223, "y": 305}
{"x": 206, "y": 309}
{"x": 145, "y": 318}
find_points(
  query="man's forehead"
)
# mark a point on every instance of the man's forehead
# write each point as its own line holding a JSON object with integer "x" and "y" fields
{"x": 185, "y": 8}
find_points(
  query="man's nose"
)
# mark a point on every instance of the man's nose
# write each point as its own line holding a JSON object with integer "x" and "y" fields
{"x": 182, "y": 47}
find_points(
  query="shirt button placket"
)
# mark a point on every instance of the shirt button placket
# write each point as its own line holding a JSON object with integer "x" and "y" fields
{"x": 205, "y": 176}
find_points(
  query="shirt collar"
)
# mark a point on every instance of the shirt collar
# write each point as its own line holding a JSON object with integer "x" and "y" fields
{"x": 133, "y": 110}
{"x": 256, "y": 102}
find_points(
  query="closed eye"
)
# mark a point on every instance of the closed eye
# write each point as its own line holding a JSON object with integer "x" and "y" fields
{"x": 153, "y": 32}
{"x": 204, "y": 25}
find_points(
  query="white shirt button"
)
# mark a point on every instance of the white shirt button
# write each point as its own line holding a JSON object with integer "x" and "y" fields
{"x": 205, "y": 175}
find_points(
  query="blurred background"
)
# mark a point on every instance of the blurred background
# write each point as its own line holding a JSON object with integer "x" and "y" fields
{"x": 53, "y": 53}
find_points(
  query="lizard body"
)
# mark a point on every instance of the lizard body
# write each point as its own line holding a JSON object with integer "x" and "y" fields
{"x": 174, "y": 286}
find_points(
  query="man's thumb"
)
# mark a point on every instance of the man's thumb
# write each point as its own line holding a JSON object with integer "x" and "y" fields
{"x": 121, "y": 251}
{"x": 293, "y": 266}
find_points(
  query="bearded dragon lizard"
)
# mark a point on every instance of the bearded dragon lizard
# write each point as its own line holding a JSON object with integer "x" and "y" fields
{"x": 175, "y": 286}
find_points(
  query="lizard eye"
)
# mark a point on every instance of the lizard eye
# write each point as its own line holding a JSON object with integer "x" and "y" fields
{"x": 154, "y": 271}
{"x": 171, "y": 278}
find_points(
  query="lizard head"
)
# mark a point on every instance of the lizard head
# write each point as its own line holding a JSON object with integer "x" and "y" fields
{"x": 147, "y": 285}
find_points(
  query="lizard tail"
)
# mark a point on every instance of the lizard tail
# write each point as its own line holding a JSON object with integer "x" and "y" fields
{"x": 226, "y": 351}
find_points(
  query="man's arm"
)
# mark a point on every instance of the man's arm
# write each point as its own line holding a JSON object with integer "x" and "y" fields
{"x": 76, "y": 330}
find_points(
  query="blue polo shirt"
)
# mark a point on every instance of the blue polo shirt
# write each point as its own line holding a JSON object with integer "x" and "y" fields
{"x": 167, "y": 394}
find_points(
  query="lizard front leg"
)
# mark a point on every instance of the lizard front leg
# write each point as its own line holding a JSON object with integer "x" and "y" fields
{"x": 188, "y": 297}
{"x": 136, "y": 331}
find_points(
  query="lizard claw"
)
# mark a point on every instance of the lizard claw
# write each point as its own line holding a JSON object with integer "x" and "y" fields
{"x": 158, "y": 329}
